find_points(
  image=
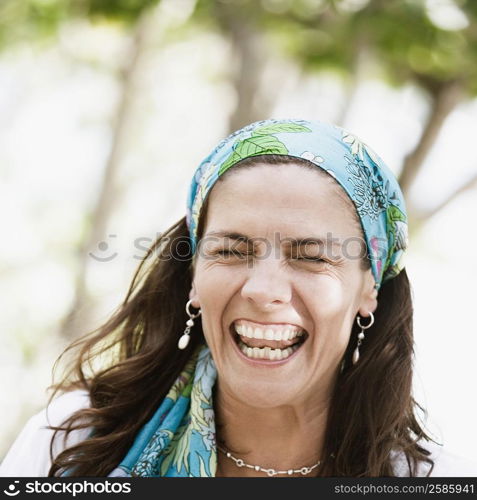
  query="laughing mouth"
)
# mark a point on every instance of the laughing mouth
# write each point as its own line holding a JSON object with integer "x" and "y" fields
{"x": 264, "y": 342}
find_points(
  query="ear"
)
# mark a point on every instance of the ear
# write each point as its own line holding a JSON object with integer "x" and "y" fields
{"x": 194, "y": 296}
{"x": 369, "y": 296}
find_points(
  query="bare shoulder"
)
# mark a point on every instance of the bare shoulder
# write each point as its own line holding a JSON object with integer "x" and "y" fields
{"x": 446, "y": 463}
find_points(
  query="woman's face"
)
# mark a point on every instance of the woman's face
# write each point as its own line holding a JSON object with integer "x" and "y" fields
{"x": 272, "y": 286}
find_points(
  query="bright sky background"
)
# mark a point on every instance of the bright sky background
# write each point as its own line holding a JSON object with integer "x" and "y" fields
{"x": 54, "y": 138}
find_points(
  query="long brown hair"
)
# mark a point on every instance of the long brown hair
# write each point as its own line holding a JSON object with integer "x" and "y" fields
{"x": 372, "y": 414}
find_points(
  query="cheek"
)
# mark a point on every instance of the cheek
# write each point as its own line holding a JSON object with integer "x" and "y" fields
{"x": 215, "y": 288}
{"x": 329, "y": 305}
{"x": 328, "y": 296}
{"x": 214, "y": 279}
{"x": 214, "y": 282}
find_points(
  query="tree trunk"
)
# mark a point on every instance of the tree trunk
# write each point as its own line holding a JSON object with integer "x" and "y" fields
{"x": 250, "y": 58}
{"x": 79, "y": 318}
{"x": 445, "y": 98}
{"x": 361, "y": 62}
{"x": 151, "y": 23}
{"x": 418, "y": 219}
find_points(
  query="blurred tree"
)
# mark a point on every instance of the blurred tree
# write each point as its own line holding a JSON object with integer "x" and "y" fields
{"x": 146, "y": 20}
{"x": 241, "y": 24}
{"x": 250, "y": 52}
{"x": 79, "y": 316}
{"x": 401, "y": 41}
{"x": 39, "y": 20}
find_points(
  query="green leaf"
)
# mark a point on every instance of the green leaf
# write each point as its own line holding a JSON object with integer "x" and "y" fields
{"x": 213, "y": 463}
{"x": 280, "y": 127}
{"x": 203, "y": 471}
{"x": 394, "y": 213}
{"x": 253, "y": 146}
{"x": 231, "y": 160}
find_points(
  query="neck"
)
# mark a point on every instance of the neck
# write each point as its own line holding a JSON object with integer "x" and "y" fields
{"x": 283, "y": 437}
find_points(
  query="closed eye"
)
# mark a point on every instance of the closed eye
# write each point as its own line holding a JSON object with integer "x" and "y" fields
{"x": 235, "y": 253}
{"x": 313, "y": 259}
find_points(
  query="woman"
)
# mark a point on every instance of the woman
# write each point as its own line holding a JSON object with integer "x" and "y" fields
{"x": 270, "y": 335}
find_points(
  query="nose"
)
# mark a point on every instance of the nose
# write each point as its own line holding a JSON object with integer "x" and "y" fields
{"x": 267, "y": 285}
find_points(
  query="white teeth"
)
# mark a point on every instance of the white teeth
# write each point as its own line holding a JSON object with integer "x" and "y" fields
{"x": 258, "y": 333}
{"x": 269, "y": 335}
{"x": 267, "y": 352}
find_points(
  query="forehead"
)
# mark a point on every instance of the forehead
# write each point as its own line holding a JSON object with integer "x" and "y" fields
{"x": 288, "y": 198}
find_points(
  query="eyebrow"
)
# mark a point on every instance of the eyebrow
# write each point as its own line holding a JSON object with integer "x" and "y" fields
{"x": 294, "y": 241}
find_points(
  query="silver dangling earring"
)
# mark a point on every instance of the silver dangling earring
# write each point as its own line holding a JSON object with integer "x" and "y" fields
{"x": 184, "y": 340}
{"x": 361, "y": 336}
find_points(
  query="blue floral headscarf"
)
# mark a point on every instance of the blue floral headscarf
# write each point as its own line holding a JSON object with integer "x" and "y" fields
{"x": 366, "y": 179}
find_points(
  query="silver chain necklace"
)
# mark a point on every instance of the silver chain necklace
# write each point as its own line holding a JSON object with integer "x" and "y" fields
{"x": 270, "y": 472}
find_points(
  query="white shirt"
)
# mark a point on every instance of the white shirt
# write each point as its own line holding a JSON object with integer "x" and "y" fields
{"x": 29, "y": 456}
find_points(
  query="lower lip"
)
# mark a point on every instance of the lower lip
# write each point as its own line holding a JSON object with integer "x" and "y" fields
{"x": 264, "y": 362}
